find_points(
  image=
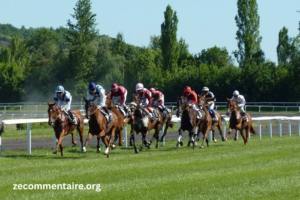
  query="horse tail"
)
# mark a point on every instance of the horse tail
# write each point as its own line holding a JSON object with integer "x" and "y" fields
{"x": 252, "y": 130}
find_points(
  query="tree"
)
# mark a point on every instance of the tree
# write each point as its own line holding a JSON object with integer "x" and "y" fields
{"x": 215, "y": 55}
{"x": 169, "y": 45}
{"x": 247, "y": 34}
{"x": 283, "y": 47}
{"x": 83, "y": 48}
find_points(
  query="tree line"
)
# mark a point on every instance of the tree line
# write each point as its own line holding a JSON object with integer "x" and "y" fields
{"x": 34, "y": 61}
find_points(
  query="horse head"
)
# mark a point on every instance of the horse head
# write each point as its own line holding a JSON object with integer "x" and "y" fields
{"x": 230, "y": 105}
{"x": 181, "y": 106}
{"x": 201, "y": 101}
{"x": 53, "y": 113}
{"x": 108, "y": 102}
{"x": 90, "y": 107}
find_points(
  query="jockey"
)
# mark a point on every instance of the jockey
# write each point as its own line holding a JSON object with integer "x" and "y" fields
{"x": 63, "y": 99}
{"x": 210, "y": 101}
{"x": 240, "y": 102}
{"x": 118, "y": 96}
{"x": 190, "y": 98}
{"x": 158, "y": 101}
{"x": 145, "y": 100}
{"x": 97, "y": 91}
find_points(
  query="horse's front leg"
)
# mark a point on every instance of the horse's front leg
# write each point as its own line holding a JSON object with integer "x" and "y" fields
{"x": 179, "y": 141}
{"x": 228, "y": 133}
{"x": 205, "y": 138}
{"x": 133, "y": 143}
{"x": 80, "y": 131}
{"x": 73, "y": 140}
{"x": 87, "y": 141}
{"x": 61, "y": 135}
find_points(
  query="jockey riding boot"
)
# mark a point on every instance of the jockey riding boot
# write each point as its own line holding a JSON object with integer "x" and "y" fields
{"x": 245, "y": 118}
{"x": 155, "y": 115}
{"x": 165, "y": 111}
{"x": 110, "y": 117}
{"x": 73, "y": 119}
{"x": 199, "y": 115}
{"x": 126, "y": 111}
{"x": 215, "y": 118}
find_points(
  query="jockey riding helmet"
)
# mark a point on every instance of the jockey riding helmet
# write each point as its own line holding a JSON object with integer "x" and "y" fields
{"x": 187, "y": 89}
{"x": 205, "y": 89}
{"x": 92, "y": 86}
{"x": 152, "y": 90}
{"x": 59, "y": 89}
{"x": 139, "y": 86}
{"x": 114, "y": 86}
{"x": 235, "y": 93}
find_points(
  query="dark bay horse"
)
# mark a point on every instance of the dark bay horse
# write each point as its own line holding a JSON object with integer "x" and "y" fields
{"x": 143, "y": 124}
{"x": 122, "y": 121}
{"x": 61, "y": 125}
{"x": 236, "y": 122}
{"x": 189, "y": 122}
{"x": 98, "y": 126}
{"x": 214, "y": 124}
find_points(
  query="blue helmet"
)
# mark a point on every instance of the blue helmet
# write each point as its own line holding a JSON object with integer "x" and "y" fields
{"x": 59, "y": 89}
{"x": 92, "y": 86}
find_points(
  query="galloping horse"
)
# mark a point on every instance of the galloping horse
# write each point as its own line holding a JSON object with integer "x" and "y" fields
{"x": 143, "y": 124}
{"x": 59, "y": 120}
{"x": 236, "y": 122}
{"x": 98, "y": 126}
{"x": 167, "y": 121}
{"x": 189, "y": 122}
{"x": 214, "y": 124}
{"x": 122, "y": 121}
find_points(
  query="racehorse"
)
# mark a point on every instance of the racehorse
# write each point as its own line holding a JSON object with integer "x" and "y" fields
{"x": 189, "y": 122}
{"x": 214, "y": 124}
{"x": 236, "y": 122}
{"x": 98, "y": 126}
{"x": 58, "y": 118}
{"x": 143, "y": 124}
{"x": 167, "y": 121}
{"x": 122, "y": 121}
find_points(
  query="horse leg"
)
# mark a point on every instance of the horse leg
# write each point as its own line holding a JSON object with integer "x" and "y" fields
{"x": 205, "y": 138}
{"x": 110, "y": 141}
{"x": 87, "y": 141}
{"x": 143, "y": 141}
{"x": 58, "y": 142}
{"x": 156, "y": 136}
{"x": 73, "y": 140}
{"x": 121, "y": 136}
{"x": 80, "y": 131}
{"x": 228, "y": 133}
{"x": 165, "y": 131}
{"x": 221, "y": 131}
{"x": 179, "y": 142}
{"x": 133, "y": 143}
{"x": 61, "y": 149}
{"x": 247, "y": 135}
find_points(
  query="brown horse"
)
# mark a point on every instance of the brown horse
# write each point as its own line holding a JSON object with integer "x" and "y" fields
{"x": 61, "y": 125}
{"x": 143, "y": 124}
{"x": 236, "y": 122}
{"x": 122, "y": 121}
{"x": 189, "y": 122}
{"x": 214, "y": 124}
{"x": 167, "y": 120}
{"x": 98, "y": 126}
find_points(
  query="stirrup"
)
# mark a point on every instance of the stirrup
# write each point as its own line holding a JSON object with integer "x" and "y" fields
{"x": 74, "y": 121}
{"x": 215, "y": 119}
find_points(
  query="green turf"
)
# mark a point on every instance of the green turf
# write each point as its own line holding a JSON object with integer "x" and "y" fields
{"x": 266, "y": 169}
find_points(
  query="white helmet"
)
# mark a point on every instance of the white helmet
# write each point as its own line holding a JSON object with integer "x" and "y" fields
{"x": 59, "y": 89}
{"x": 205, "y": 89}
{"x": 139, "y": 86}
{"x": 235, "y": 93}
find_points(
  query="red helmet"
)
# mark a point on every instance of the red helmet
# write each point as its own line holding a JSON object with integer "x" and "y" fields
{"x": 152, "y": 90}
{"x": 187, "y": 89}
{"x": 114, "y": 86}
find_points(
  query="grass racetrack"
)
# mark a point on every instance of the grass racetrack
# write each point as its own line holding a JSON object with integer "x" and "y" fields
{"x": 266, "y": 169}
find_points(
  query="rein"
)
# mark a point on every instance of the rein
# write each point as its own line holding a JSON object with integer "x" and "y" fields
{"x": 98, "y": 108}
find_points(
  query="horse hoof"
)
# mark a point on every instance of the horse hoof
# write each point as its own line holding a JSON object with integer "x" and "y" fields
{"x": 98, "y": 150}
{"x": 181, "y": 143}
{"x": 201, "y": 146}
{"x": 137, "y": 151}
{"x": 215, "y": 140}
{"x": 54, "y": 152}
{"x": 83, "y": 150}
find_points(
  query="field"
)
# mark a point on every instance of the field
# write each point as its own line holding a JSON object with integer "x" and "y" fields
{"x": 266, "y": 169}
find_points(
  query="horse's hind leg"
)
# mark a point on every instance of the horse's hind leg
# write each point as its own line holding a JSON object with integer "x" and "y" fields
{"x": 133, "y": 143}
{"x": 80, "y": 131}
{"x": 228, "y": 133}
{"x": 61, "y": 149}
{"x": 73, "y": 140}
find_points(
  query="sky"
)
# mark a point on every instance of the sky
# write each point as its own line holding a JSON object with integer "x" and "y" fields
{"x": 202, "y": 23}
